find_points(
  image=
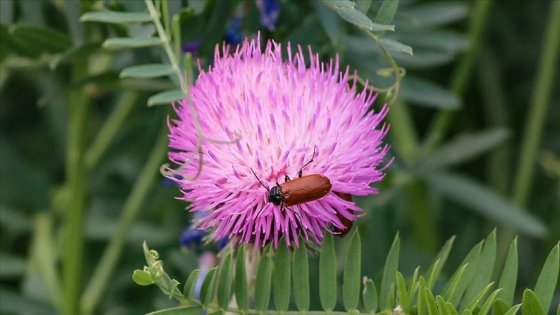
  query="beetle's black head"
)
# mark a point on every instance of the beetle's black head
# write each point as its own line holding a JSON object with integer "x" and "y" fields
{"x": 275, "y": 196}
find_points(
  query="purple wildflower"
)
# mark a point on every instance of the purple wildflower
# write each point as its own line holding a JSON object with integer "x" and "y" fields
{"x": 269, "y": 11}
{"x": 279, "y": 112}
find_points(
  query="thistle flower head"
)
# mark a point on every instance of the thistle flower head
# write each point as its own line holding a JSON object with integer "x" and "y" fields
{"x": 276, "y": 114}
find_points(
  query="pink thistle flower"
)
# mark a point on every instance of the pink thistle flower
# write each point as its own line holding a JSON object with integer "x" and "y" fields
{"x": 279, "y": 112}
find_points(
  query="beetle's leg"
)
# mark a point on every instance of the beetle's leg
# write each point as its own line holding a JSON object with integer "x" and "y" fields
{"x": 268, "y": 189}
{"x": 300, "y": 173}
{"x": 287, "y": 178}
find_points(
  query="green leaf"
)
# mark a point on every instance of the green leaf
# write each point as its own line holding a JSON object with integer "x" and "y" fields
{"x": 224, "y": 282}
{"x": 508, "y": 279}
{"x": 488, "y": 304}
{"x": 442, "y": 309}
{"x": 327, "y": 274}
{"x": 147, "y": 71}
{"x": 439, "y": 262}
{"x": 471, "y": 263}
{"x": 421, "y": 92}
{"x": 181, "y": 310}
{"x": 462, "y": 149}
{"x": 433, "y": 14}
{"x": 41, "y": 38}
{"x": 402, "y": 295}
{"x": 513, "y": 310}
{"x": 451, "y": 309}
{"x": 484, "y": 268}
{"x": 546, "y": 284}
{"x": 395, "y": 46}
{"x": 487, "y": 203}
{"x": 75, "y": 53}
{"x": 369, "y": 295}
{"x": 128, "y": 42}
{"x": 115, "y": 17}
{"x": 355, "y": 17}
{"x": 500, "y": 306}
{"x": 422, "y": 300}
{"x": 142, "y": 277}
{"x": 301, "y": 277}
{"x": 207, "y": 289}
{"x": 452, "y": 286}
{"x": 352, "y": 274}
{"x": 281, "y": 277}
{"x": 190, "y": 284}
{"x": 330, "y": 22}
{"x": 413, "y": 287}
{"x": 166, "y": 97}
{"x": 386, "y": 12}
{"x": 474, "y": 302}
{"x": 241, "y": 286}
{"x": 389, "y": 272}
{"x": 363, "y": 6}
{"x": 264, "y": 277}
{"x": 430, "y": 302}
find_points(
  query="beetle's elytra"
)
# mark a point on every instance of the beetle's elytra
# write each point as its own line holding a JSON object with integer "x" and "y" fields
{"x": 300, "y": 190}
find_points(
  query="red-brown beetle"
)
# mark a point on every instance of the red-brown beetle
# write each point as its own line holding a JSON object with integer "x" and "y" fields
{"x": 300, "y": 190}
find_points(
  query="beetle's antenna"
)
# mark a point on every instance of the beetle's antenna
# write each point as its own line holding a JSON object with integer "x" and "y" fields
{"x": 300, "y": 173}
{"x": 267, "y": 189}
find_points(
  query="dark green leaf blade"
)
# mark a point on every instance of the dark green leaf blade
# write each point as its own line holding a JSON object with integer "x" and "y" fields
{"x": 115, "y": 17}
{"x": 462, "y": 149}
{"x": 41, "y": 38}
{"x": 548, "y": 278}
{"x": 263, "y": 281}
{"x": 166, "y": 97}
{"x": 387, "y": 12}
{"x": 426, "y": 93}
{"x": 395, "y": 46}
{"x": 484, "y": 269}
{"x": 500, "y": 307}
{"x": 224, "y": 282}
{"x": 241, "y": 285}
{"x": 327, "y": 274}
{"x": 508, "y": 280}
{"x": 439, "y": 262}
{"x": 389, "y": 272}
{"x": 147, "y": 71}
{"x": 128, "y": 42}
{"x": 488, "y": 204}
{"x": 207, "y": 289}
{"x": 531, "y": 304}
{"x": 363, "y": 6}
{"x": 301, "y": 277}
{"x": 352, "y": 273}
{"x": 190, "y": 284}
{"x": 281, "y": 277}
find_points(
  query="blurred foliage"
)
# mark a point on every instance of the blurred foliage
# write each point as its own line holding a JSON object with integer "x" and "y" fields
{"x": 80, "y": 151}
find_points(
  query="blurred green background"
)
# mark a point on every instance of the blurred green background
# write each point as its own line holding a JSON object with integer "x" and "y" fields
{"x": 80, "y": 150}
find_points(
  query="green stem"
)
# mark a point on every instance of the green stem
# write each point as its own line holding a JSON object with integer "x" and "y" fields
{"x": 104, "y": 269}
{"x": 110, "y": 128}
{"x": 461, "y": 75}
{"x": 43, "y": 257}
{"x": 541, "y": 96}
{"x": 403, "y": 133}
{"x": 73, "y": 249}
{"x": 424, "y": 226}
{"x": 496, "y": 113}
